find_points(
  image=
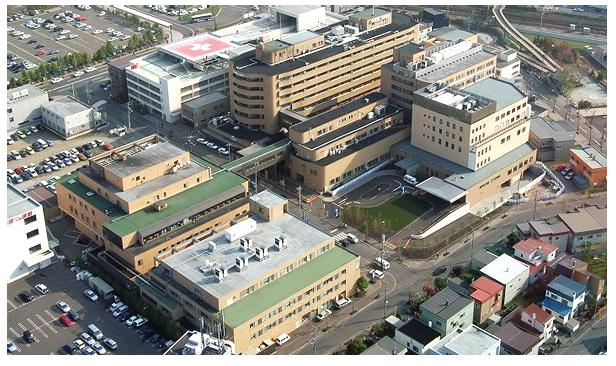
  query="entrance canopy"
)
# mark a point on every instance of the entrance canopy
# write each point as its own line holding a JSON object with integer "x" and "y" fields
{"x": 441, "y": 189}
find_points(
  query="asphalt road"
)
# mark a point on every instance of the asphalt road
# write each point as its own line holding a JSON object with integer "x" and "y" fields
{"x": 586, "y": 341}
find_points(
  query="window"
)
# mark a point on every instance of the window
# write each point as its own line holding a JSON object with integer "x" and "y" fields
{"x": 35, "y": 248}
{"x": 30, "y": 219}
{"x": 32, "y": 233}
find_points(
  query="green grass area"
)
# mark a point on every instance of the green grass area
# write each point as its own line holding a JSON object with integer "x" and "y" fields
{"x": 569, "y": 43}
{"x": 598, "y": 266}
{"x": 397, "y": 212}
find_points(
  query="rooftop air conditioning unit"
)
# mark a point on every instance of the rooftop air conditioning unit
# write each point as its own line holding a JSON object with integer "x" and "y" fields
{"x": 212, "y": 246}
{"x": 280, "y": 242}
{"x": 370, "y": 115}
{"x": 246, "y": 243}
{"x": 160, "y": 205}
{"x": 379, "y": 110}
{"x": 220, "y": 273}
{"x": 338, "y": 30}
{"x": 239, "y": 262}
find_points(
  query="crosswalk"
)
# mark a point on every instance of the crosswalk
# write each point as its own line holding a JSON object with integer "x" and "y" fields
{"x": 340, "y": 237}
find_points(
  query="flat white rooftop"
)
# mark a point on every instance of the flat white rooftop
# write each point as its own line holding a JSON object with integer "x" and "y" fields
{"x": 190, "y": 262}
{"x": 472, "y": 341}
{"x": 504, "y": 269}
{"x": 18, "y": 202}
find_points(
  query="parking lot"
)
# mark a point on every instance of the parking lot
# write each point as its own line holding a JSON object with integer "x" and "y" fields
{"x": 61, "y": 145}
{"x": 86, "y": 40}
{"x": 40, "y": 316}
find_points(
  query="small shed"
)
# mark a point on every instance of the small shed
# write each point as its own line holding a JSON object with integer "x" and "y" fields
{"x": 101, "y": 287}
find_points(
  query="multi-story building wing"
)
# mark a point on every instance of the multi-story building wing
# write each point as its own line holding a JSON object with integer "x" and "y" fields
{"x": 341, "y": 144}
{"x": 263, "y": 277}
{"x": 26, "y": 234}
{"x": 149, "y": 198}
{"x": 312, "y": 71}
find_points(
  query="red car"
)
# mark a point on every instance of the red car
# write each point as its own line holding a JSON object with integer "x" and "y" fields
{"x": 561, "y": 167}
{"x": 41, "y": 53}
{"x": 64, "y": 319}
{"x": 107, "y": 146}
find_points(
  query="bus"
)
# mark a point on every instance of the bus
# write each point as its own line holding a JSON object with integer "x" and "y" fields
{"x": 202, "y": 17}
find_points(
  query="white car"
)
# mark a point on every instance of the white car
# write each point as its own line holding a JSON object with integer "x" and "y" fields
{"x": 139, "y": 29}
{"x": 72, "y": 36}
{"x": 110, "y": 343}
{"x": 60, "y": 37}
{"x": 56, "y": 80}
{"x": 79, "y": 344}
{"x": 201, "y": 140}
{"x": 17, "y": 33}
{"x": 97, "y": 31}
{"x": 223, "y": 151}
{"x": 65, "y": 31}
{"x": 113, "y": 39}
{"x": 77, "y": 73}
{"x": 282, "y": 339}
{"x": 341, "y": 303}
{"x": 131, "y": 321}
{"x": 90, "y": 69}
{"x": 79, "y": 25}
{"x": 25, "y": 36}
{"x": 42, "y": 289}
{"x": 376, "y": 274}
{"x": 99, "y": 349}
{"x": 323, "y": 314}
{"x": 88, "y": 351}
{"x": 101, "y": 13}
{"x": 110, "y": 30}
{"x": 63, "y": 306}
{"x": 90, "y": 295}
{"x": 87, "y": 338}
{"x": 87, "y": 27}
{"x": 11, "y": 29}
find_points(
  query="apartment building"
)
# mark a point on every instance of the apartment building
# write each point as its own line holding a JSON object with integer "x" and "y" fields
{"x": 472, "y": 143}
{"x": 310, "y": 72}
{"x": 179, "y": 72}
{"x": 68, "y": 117}
{"x": 590, "y": 164}
{"x": 446, "y": 311}
{"x": 510, "y": 273}
{"x": 337, "y": 146}
{"x": 585, "y": 224}
{"x": 262, "y": 277}
{"x": 24, "y": 105}
{"x": 149, "y": 198}
{"x": 26, "y": 235}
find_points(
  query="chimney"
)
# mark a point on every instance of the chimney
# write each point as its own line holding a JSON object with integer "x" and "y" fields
{"x": 534, "y": 318}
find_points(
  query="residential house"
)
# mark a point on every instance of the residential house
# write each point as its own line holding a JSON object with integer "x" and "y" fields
{"x": 446, "y": 311}
{"x": 481, "y": 259}
{"x": 509, "y": 272}
{"x": 552, "y": 139}
{"x": 577, "y": 270}
{"x": 563, "y": 298}
{"x": 536, "y": 253}
{"x": 514, "y": 340}
{"x": 533, "y": 316}
{"x": 585, "y": 224}
{"x": 416, "y": 336}
{"x": 488, "y": 297}
{"x": 471, "y": 340}
{"x": 552, "y": 230}
{"x": 385, "y": 346}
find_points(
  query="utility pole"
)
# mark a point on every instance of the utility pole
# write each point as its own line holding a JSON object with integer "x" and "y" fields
{"x": 128, "y": 110}
{"x": 535, "y": 207}
{"x": 472, "y": 242}
{"x": 256, "y": 177}
{"x": 229, "y": 150}
{"x": 299, "y": 199}
{"x": 384, "y": 282}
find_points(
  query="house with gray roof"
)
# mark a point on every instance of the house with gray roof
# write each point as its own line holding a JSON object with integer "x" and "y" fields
{"x": 446, "y": 311}
{"x": 552, "y": 139}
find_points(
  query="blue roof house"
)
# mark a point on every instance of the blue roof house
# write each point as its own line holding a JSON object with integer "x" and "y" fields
{"x": 563, "y": 298}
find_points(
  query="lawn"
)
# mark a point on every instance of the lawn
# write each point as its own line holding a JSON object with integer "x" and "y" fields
{"x": 398, "y": 212}
{"x": 598, "y": 266}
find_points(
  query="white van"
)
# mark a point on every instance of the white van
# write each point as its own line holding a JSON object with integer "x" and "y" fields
{"x": 115, "y": 305}
{"x": 381, "y": 263}
{"x": 352, "y": 238}
{"x": 282, "y": 339}
{"x": 410, "y": 179}
{"x": 96, "y": 333}
{"x": 43, "y": 143}
{"x": 119, "y": 311}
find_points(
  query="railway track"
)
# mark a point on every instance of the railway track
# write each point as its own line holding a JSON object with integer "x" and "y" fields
{"x": 541, "y": 56}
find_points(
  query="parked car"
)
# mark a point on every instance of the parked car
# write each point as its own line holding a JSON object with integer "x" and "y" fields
{"x": 99, "y": 348}
{"x": 26, "y": 297}
{"x": 282, "y": 339}
{"x": 63, "y": 306}
{"x": 323, "y": 314}
{"x": 110, "y": 343}
{"x": 131, "y": 321}
{"x": 88, "y": 351}
{"x": 27, "y": 336}
{"x": 343, "y": 302}
{"x": 74, "y": 315}
{"x": 70, "y": 348}
{"x": 91, "y": 295}
{"x": 10, "y": 346}
{"x": 438, "y": 271}
{"x": 375, "y": 274}
{"x": 87, "y": 338}
{"x": 42, "y": 289}
{"x": 79, "y": 344}
{"x": 66, "y": 320}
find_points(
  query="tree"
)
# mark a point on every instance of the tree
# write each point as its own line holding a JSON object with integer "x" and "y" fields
{"x": 512, "y": 238}
{"x": 440, "y": 283}
{"x": 416, "y": 299}
{"x": 430, "y": 289}
{"x": 362, "y": 285}
{"x": 378, "y": 330}
{"x": 591, "y": 305}
{"x": 356, "y": 346}
{"x": 587, "y": 250}
{"x": 584, "y": 104}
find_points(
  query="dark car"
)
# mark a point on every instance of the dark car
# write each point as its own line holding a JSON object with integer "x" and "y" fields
{"x": 26, "y": 297}
{"x": 53, "y": 59}
{"x": 27, "y": 336}
{"x": 73, "y": 315}
{"x": 40, "y": 45}
{"x": 32, "y": 41}
{"x": 439, "y": 271}
{"x": 70, "y": 348}
{"x": 88, "y": 153}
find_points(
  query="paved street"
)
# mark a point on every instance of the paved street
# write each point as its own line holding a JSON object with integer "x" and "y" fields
{"x": 586, "y": 341}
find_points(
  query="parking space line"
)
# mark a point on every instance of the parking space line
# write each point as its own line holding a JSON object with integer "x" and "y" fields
{"x": 36, "y": 327}
{"x": 24, "y": 328}
{"x": 54, "y": 40}
{"x": 36, "y": 298}
{"x": 18, "y": 336}
{"x": 27, "y": 52}
{"x": 11, "y": 304}
{"x": 15, "y": 344}
{"x": 53, "y": 317}
{"x": 46, "y": 323}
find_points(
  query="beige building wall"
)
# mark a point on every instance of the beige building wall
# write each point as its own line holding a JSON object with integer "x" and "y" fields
{"x": 315, "y": 87}
{"x": 319, "y": 177}
{"x": 474, "y": 145}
